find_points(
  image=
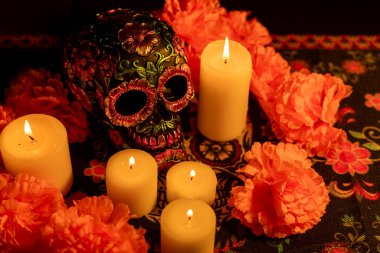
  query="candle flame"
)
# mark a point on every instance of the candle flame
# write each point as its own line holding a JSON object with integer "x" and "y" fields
{"x": 189, "y": 214}
{"x": 192, "y": 174}
{"x": 131, "y": 162}
{"x": 28, "y": 131}
{"x": 226, "y": 51}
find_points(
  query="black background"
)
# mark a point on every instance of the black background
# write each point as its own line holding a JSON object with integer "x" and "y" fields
{"x": 280, "y": 17}
{"x": 62, "y": 17}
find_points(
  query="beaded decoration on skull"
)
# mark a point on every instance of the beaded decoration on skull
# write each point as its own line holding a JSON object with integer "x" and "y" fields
{"x": 130, "y": 70}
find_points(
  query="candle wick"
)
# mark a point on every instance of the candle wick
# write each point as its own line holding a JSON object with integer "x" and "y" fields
{"x": 225, "y": 61}
{"x": 131, "y": 167}
{"x": 191, "y": 179}
{"x": 31, "y": 137}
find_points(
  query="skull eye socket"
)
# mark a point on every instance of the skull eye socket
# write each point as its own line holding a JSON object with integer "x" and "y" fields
{"x": 175, "y": 87}
{"x": 130, "y": 103}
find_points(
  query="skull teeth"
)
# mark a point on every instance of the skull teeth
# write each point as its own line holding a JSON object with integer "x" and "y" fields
{"x": 176, "y": 136}
{"x": 138, "y": 140}
{"x": 159, "y": 142}
{"x": 169, "y": 139}
{"x": 145, "y": 141}
{"x": 152, "y": 141}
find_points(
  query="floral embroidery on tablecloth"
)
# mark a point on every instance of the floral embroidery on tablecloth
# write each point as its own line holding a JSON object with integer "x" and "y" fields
{"x": 354, "y": 239}
{"x": 346, "y": 115}
{"x": 357, "y": 188}
{"x": 97, "y": 171}
{"x": 298, "y": 64}
{"x": 216, "y": 154}
{"x": 349, "y": 157}
{"x": 372, "y": 100}
{"x": 279, "y": 244}
{"x": 230, "y": 245}
{"x": 337, "y": 247}
{"x": 354, "y": 67}
{"x": 376, "y": 225}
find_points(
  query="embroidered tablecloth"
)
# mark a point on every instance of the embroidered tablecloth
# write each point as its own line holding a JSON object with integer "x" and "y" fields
{"x": 352, "y": 219}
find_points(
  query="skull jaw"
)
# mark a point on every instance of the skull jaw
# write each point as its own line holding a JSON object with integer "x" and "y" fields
{"x": 166, "y": 146}
{"x": 160, "y": 141}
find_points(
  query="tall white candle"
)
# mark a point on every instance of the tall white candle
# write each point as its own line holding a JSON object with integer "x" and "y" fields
{"x": 37, "y": 144}
{"x": 131, "y": 178}
{"x": 224, "y": 90}
{"x": 193, "y": 180}
{"x": 187, "y": 225}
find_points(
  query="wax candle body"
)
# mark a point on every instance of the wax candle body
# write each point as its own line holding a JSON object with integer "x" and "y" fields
{"x": 136, "y": 186}
{"x": 224, "y": 91}
{"x": 181, "y": 234}
{"x": 47, "y": 157}
{"x": 202, "y": 186}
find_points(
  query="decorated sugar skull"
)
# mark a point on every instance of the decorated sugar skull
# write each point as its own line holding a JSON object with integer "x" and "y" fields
{"x": 129, "y": 69}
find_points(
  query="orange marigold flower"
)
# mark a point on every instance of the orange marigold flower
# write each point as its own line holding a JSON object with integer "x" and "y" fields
{"x": 302, "y": 107}
{"x": 6, "y": 116}
{"x": 26, "y": 204}
{"x": 199, "y": 22}
{"x": 38, "y": 91}
{"x": 282, "y": 195}
{"x": 93, "y": 225}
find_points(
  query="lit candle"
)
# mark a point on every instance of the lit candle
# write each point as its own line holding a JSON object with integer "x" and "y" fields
{"x": 131, "y": 178}
{"x": 225, "y": 76}
{"x": 37, "y": 144}
{"x": 192, "y": 180}
{"x": 187, "y": 225}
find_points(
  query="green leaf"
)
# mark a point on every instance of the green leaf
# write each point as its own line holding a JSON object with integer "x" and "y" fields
{"x": 361, "y": 238}
{"x": 119, "y": 77}
{"x": 160, "y": 69}
{"x": 150, "y": 66}
{"x": 351, "y": 237}
{"x": 371, "y": 146}
{"x": 151, "y": 73}
{"x": 356, "y": 135}
{"x": 348, "y": 221}
{"x": 141, "y": 72}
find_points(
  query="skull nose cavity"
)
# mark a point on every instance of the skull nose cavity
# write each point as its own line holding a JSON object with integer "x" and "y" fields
{"x": 175, "y": 88}
{"x": 131, "y": 102}
{"x": 162, "y": 112}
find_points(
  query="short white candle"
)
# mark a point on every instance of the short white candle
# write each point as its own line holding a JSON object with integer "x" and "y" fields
{"x": 37, "y": 144}
{"x": 187, "y": 225}
{"x": 224, "y": 90}
{"x": 131, "y": 178}
{"x": 192, "y": 180}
